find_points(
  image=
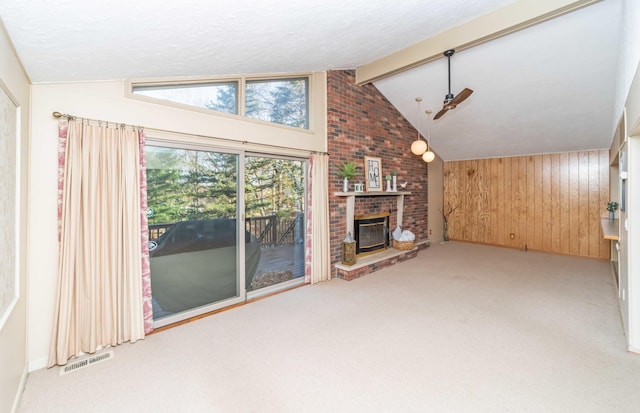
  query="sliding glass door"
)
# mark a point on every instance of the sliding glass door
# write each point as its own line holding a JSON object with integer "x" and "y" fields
{"x": 193, "y": 202}
{"x": 203, "y": 254}
{"x": 275, "y": 211}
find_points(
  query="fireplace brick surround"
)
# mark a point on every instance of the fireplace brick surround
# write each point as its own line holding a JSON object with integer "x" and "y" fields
{"x": 362, "y": 122}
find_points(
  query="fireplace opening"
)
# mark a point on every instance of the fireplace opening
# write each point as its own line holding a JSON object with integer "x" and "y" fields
{"x": 371, "y": 233}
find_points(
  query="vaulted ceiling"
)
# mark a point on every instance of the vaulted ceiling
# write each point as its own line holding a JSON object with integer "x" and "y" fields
{"x": 545, "y": 88}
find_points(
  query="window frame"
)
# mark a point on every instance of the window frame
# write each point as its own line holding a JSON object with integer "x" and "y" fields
{"x": 168, "y": 85}
{"x": 241, "y": 81}
{"x": 281, "y": 79}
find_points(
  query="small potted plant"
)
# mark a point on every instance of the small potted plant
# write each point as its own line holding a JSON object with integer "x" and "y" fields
{"x": 612, "y": 207}
{"x": 388, "y": 179}
{"x": 347, "y": 171}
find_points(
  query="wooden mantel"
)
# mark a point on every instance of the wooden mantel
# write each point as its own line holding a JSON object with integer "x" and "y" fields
{"x": 351, "y": 204}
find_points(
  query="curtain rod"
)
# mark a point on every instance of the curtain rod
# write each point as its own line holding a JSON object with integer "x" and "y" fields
{"x": 58, "y": 115}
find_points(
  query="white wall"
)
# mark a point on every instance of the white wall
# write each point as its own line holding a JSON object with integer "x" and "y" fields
{"x": 13, "y": 337}
{"x": 628, "y": 97}
{"x": 107, "y": 101}
{"x": 629, "y": 55}
{"x": 633, "y": 213}
{"x": 435, "y": 192}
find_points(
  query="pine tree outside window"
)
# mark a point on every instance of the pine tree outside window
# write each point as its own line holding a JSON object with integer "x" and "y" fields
{"x": 282, "y": 101}
{"x": 215, "y": 96}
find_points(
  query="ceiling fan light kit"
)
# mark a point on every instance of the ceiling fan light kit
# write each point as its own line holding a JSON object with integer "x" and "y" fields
{"x": 450, "y": 101}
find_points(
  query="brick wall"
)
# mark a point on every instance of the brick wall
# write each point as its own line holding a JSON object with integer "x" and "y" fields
{"x": 361, "y": 121}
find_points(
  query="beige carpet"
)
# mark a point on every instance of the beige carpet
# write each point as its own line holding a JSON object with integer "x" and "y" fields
{"x": 460, "y": 328}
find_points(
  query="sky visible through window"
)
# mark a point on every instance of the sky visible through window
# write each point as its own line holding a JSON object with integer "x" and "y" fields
{"x": 281, "y": 101}
{"x": 220, "y": 97}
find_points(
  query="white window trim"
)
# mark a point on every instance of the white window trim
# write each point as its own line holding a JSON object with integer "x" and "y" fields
{"x": 129, "y": 84}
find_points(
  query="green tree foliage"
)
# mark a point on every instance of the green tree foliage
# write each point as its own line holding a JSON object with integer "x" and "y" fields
{"x": 257, "y": 183}
{"x": 186, "y": 184}
{"x": 164, "y": 185}
{"x": 217, "y": 189}
{"x": 273, "y": 186}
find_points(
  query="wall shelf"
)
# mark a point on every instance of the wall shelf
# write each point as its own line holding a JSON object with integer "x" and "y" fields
{"x": 610, "y": 228}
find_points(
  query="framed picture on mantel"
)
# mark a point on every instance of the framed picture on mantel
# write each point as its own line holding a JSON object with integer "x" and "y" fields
{"x": 373, "y": 173}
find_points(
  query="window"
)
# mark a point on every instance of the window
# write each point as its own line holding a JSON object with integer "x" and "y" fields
{"x": 216, "y": 96}
{"x": 194, "y": 198}
{"x": 274, "y": 209}
{"x": 282, "y": 101}
{"x": 193, "y": 215}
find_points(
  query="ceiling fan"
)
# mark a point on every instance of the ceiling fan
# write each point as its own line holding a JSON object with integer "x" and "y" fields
{"x": 450, "y": 102}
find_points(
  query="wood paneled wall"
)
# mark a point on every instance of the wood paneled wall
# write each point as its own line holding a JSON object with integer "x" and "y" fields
{"x": 540, "y": 202}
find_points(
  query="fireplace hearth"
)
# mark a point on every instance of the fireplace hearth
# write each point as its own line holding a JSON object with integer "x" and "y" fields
{"x": 371, "y": 233}
{"x": 377, "y": 257}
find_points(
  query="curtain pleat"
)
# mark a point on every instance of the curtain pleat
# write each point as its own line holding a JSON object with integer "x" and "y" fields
{"x": 100, "y": 286}
{"x": 144, "y": 239}
{"x": 317, "y": 260}
{"x": 308, "y": 235}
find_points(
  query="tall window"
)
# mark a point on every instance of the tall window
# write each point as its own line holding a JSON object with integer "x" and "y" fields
{"x": 193, "y": 227}
{"x": 193, "y": 197}
{"x": 274, "y": 208}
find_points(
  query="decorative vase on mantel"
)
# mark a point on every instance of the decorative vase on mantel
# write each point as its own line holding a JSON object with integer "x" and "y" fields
{"x": 388, "y": 185}
{"x": 395, "y": 184}
{"x": 345, "y": 185}
{"x": 612, "y": 215}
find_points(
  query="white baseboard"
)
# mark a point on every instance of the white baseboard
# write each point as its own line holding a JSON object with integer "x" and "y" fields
{"x": 38, "y": 364}
{"x": 23, "y": 383}
{"x": 633, "y": 349}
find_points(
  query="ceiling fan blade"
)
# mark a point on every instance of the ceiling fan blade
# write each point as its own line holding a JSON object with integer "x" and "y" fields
{"x": 462, "y": 96}
{"x": 439, "y": 114}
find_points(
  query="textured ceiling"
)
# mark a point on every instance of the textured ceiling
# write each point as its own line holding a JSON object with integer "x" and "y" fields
{"x": 76, "y": 40}
{"x": 547, "y": 88}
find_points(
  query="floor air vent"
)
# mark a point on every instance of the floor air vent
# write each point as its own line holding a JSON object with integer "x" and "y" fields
{"x": 80, "y": 364}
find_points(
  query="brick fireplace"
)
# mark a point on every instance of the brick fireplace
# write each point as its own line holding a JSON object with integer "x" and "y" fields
{"x": 361, "y": 122}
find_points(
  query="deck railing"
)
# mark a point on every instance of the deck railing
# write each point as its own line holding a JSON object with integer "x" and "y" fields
{"x": 271, "y": 230}
{"x": 155, "y": 230}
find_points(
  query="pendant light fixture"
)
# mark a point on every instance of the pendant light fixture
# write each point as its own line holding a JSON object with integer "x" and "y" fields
{"x": 419, "y": 146}
{"x": 428, "y": 155}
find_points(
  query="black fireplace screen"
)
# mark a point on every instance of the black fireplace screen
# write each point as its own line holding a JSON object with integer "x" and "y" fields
{"x": 371, "y": 233}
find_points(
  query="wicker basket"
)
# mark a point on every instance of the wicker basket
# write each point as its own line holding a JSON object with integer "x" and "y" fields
{"x": 403, "y": 245}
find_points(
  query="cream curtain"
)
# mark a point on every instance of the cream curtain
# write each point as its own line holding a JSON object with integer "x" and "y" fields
{"x": 318, "y": 267}
{"x": 99, "y": 295}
